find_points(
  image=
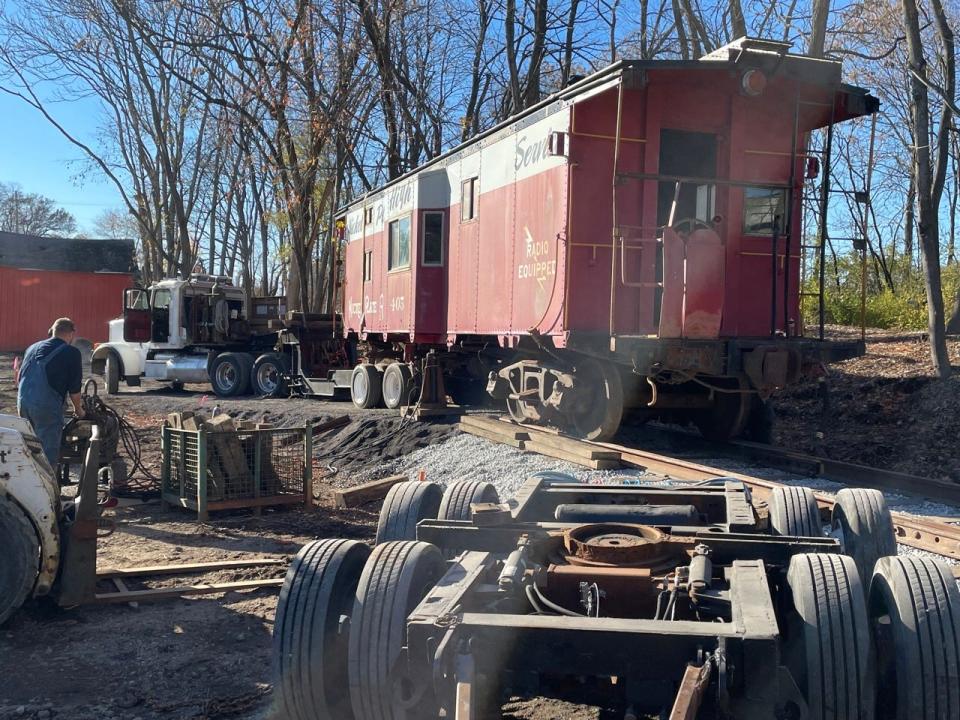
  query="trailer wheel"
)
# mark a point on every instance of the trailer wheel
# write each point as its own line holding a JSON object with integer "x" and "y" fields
{"x": 111, "y": 374}
{"x": 267, "y": 379}
{"x": 310, "y": 638}
{"x": 230, "y": 373}
{"x": 914, "y": 612}
{"x": 827, "y": 647}
{"x": 21, "y": 558}
{"x": 406, "y": 504}
{"x": 794, "y": 512}
{"x": 862, "y": 520}
{"x": 458, "y": 496}
{"x": 599, "y": 408}
{"x": 396, "y": 578}
{"x": 396, "y": 385}
{"x": 365, "y": 386}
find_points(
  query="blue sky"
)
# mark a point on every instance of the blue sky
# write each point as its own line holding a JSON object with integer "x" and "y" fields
{"x": 35, "y": 155}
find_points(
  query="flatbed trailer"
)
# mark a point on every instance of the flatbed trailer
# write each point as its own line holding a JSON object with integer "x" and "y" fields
{"x": 687, "y": 602}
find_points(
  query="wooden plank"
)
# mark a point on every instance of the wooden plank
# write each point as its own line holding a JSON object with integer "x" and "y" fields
{"x": 574, "y": 446}
{"x": 690, "y": 695}
{"x": 368, "y": 492}
{"x": 504, "y": 438}
{"x": 185, "y": 568}
{"x": 598, "y": 464}
{"x": 184, "y": 590}
{"x": 122, "y": 587}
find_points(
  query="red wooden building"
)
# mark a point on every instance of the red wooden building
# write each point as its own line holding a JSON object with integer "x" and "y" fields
{"x": 44, "y": 278}
{"x": 633, "y": 238}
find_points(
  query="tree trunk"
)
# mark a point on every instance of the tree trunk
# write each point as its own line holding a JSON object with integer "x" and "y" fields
{"x": 818, "y": 28}
{"x": 929, "y": 181}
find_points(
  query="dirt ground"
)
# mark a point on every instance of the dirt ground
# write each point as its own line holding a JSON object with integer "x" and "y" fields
{"x": 209, "y": 656}
{"x": 885, "y": 409}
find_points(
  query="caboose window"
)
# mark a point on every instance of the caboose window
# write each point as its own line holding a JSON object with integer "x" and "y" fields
{"x": 469, "y": 191}
{"x": 399, "y": 252}
{"x": 763, "y": 207}
{"x": 433, "y": 238}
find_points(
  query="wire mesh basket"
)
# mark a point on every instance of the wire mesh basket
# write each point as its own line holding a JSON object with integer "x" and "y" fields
{"x": 228, "y": 469}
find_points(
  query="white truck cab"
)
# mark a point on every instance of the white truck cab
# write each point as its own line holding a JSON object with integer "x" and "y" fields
{"x": 175, "y": 331}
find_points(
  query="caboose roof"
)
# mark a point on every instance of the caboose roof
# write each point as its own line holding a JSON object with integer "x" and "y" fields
{"x": 770, "y": 56}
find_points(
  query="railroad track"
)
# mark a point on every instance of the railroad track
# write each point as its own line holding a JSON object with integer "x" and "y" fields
{"x": 931, "y": 535}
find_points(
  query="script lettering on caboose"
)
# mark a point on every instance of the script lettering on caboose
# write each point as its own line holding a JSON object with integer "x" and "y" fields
{"x": 530, "y": 153}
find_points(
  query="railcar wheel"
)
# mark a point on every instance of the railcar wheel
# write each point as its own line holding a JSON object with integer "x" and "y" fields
{"x": 230, "y": 373}
{"x": 862, "y": 520}
{"x": 598, "y": 408}
{"x": 915, "y": 617}
{"x": 21, "y": 558}
{"x": 310, "y": 637}
{"x": 397, "y": 576}
{"x": 406, "y": 504}
{"x": 396, "y": 385}
{"x": 365, "y": 386}
{"x": 728, "y": 416}
{"x": 111, "y": 374}
{"x": 827, "y": 646}
{"x": 455, "y": 504}
{"x": 794, "y": 512}
{"x": 268, "y": 375}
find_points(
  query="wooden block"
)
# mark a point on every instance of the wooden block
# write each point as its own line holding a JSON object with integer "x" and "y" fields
{"x": 368, "y": 492}
{"x": 575, "y": 447}
{"x": 561, "y": 454}
{"x": 223, "y": 439}
{"x": 502, "y": 438}
{"x": 246, "y": 425}
{"x": 514, "y": 431}
{"x": 175, "y": 419}
{"x": 192, "y": 423}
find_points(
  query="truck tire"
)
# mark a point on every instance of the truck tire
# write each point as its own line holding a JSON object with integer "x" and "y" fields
{"x": 396, "y": 578}
{"x": 862, "y": 520}
{"x": 915, "y": 616}
{"x": 794, "y": 512}
{"x": 827, "y": 646}
{"x": 230, "y": 373}
{"x": 267, "y": 379}
{"x": 111, "y": 373}
{"x": 21, "y": 558}
{"x": 455, "y": 504}
{"x": 406, "y": 504}
{"x": 365, "y": 384}
{"x": 396, "y": 385}
{"x": 309, "y": 638}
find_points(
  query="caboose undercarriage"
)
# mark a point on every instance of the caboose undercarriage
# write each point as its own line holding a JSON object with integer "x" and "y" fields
{"x": 720, "y": 386}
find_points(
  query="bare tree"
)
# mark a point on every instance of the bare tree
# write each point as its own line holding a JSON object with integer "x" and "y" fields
{"x": 32, "y": 214}
{"x": 930, "y": 166}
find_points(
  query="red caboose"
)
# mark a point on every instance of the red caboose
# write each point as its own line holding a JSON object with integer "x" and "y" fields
{"x": 632, "y": 242}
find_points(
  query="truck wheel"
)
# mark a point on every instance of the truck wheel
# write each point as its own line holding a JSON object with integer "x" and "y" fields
{"x": 862, "y": 520}
{"x": 396, "y": 578}
{"x": 827, "y": 646}
{"x": 268, "y": 375}
{"x": 915, "y": 616}
{"x": 794, "y": 512}
{"x": 111, "y": 374}
{"x": 455, "y": 504}
{"x": 365, "y": 384}
{"x": 230, "y": 374}
{"x": 310, "y": 639}
{"x": 21, "y": 558}
{"x": 406, "y": 504}
{"x": 396, "y": 385}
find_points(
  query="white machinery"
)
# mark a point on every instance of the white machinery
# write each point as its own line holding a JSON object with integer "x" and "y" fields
{"x": 48, "y": 547}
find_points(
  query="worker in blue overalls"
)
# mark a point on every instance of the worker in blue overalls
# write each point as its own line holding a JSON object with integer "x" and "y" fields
{"x": 51, "y": 370}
